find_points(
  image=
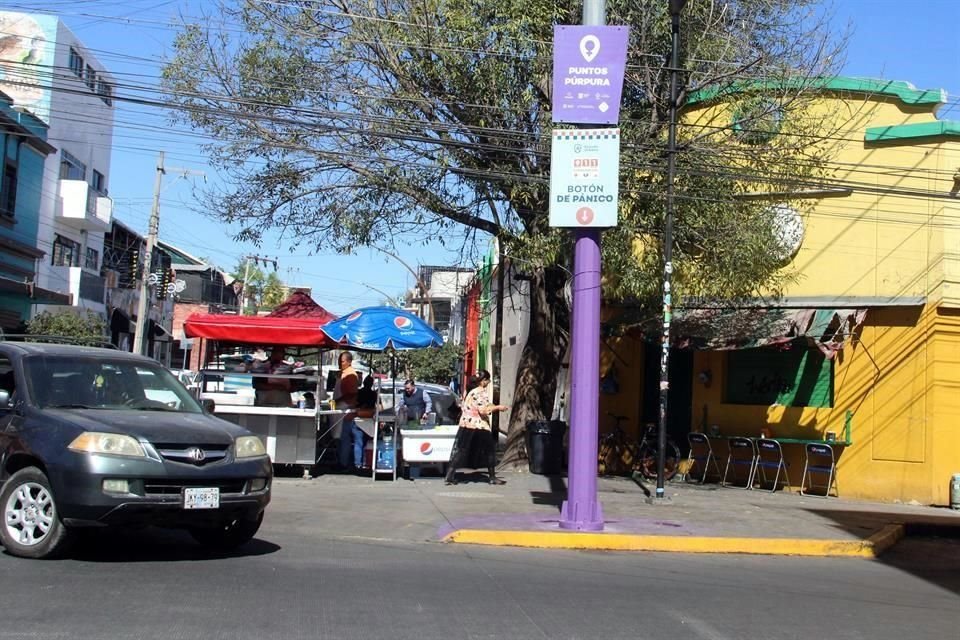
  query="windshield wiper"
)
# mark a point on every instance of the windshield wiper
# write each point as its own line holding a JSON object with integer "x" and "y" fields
{"x": 152, "y": 409}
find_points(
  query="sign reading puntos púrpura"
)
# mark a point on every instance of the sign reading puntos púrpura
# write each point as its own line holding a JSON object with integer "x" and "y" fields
{"x": 588, "y": 67}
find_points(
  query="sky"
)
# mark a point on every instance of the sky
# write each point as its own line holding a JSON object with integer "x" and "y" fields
{"x": 891, "y": 39}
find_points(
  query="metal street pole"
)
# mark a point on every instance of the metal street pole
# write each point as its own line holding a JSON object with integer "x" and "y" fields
{"x": 676, "y": 6}
{"x": 139, "y": 332}
{"x": 582, "y": 510}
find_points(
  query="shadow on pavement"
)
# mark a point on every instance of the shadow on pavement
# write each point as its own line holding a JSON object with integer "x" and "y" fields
{"x": 864, "y": 523}
{"x": 931, "y": 550}
{"x": 554, "y": 496}
{"x": 155, "y": 545}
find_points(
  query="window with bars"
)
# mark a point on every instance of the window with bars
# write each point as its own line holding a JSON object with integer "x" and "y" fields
{"x": 76, "y": 63}
{"x": 71, "y": 168}
{"x": 105, "y": 91}
{"x": 92, "y": 259}
{"x": 66, "y": 252}
{"x": 99, "y": 182}
{"x": 90, "y": 77}
{"x": 8, "y": 191}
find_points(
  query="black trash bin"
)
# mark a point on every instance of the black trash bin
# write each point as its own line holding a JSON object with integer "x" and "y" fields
{"x": 545, "y": 446}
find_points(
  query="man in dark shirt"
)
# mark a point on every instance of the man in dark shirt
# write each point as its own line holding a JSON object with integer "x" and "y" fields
{"x": 416, "y": 403}
{"x": 366, "y": 399}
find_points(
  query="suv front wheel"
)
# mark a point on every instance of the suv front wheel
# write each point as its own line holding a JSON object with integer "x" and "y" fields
{"x": 31, "y": 525}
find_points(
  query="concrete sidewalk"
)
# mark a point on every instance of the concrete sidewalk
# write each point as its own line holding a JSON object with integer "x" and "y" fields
{"x": 525, "y": 512}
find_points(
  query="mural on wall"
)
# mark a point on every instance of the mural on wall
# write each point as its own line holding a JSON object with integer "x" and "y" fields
{"x": 27, "y": 60}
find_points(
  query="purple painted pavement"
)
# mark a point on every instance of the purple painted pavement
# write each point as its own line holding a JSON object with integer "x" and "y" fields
{"x": 543, "y": 522}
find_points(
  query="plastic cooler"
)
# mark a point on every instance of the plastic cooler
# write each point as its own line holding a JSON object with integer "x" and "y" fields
{"x": 428, "y": 445}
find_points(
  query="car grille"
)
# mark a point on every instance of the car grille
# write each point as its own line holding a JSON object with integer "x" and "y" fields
{"x": 154, "y": 487}
{"x": 193, "y": 454}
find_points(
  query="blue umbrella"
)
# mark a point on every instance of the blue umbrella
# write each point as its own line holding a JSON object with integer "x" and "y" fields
{"x": 382, "y": 329}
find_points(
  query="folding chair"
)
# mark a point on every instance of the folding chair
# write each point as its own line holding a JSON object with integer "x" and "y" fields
{"x": 769, "y": 456}
{"x": 701, "y": 453}
{"x": 742, "y": 455}
{"x": 820, "y": 461}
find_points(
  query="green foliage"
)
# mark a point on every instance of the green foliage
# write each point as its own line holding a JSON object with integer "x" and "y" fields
{"x": 263, "y": 289}
{"x": 74, "y": 327}
{"x": 437, "y": 365}
{"x": 357, "y": 124}
{"x": 274, "y": 293}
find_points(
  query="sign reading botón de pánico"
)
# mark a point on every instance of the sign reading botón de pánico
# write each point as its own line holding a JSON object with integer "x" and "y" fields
{"x": 588, "y": 67}
{"x": 584, "y": 177}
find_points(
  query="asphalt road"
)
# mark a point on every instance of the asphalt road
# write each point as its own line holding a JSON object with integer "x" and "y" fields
{"x": 289, "y": 585}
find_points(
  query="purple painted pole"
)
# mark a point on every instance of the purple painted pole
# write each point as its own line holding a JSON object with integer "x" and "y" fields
{"x": 581, "y": 510}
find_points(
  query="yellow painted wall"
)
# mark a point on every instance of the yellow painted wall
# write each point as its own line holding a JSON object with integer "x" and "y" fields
{"x": 900, "y": 379}
{"x": 866, "y": 243}
{"x": 626, "y": 354}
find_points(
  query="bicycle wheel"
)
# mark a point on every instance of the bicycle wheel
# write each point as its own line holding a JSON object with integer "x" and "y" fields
{"x": 648, "y": 462}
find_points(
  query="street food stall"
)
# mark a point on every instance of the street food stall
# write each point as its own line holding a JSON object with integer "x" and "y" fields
{"x": 386, "y": 330}
{"x": 278, "y": 397}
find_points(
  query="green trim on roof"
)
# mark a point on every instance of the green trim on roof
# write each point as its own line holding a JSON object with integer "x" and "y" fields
{"x": 934, "y": 129}
{"x": 903, "y": 91}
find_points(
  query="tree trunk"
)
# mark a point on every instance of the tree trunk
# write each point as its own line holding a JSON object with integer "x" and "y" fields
{"x": 540, "y": 360}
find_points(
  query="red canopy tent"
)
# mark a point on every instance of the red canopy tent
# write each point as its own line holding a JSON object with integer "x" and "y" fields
{"x": 301, "y": 305}
{"x": 295, "y": 323}
{"x": 258, "y": 330}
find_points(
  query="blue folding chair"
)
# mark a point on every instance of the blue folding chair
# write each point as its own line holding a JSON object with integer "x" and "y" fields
{"x": 770, "y": 456}
{"x": 701, "y": 453}
{"x": 820, "y": 461}
{"x": 742, "y": 455}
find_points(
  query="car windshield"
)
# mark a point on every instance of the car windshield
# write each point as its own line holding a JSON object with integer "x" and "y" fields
{"x": 78, "y": 382}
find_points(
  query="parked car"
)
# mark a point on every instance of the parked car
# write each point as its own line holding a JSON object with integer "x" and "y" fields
{"x": 92, "y": 437}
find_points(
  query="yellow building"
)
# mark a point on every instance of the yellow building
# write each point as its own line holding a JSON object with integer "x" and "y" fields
{"x": 877, "y": 253}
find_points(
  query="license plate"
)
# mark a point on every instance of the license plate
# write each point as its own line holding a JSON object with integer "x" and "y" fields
{"x": 201, "y": 498}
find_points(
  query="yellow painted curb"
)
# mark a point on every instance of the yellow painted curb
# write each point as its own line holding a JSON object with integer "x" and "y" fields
{"x": 681, "y": 544}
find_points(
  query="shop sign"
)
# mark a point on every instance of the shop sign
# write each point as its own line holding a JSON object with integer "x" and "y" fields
{"x": 588, "y": 67}
{"x": 584, "y": 177}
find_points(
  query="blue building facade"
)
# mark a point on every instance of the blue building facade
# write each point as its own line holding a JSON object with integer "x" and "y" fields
{"x": 24, "y": 145}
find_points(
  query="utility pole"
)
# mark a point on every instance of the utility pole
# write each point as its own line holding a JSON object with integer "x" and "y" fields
{"x": 139, "y": 335}
{"x": 676, "y": 6}
{"x": 143, "y": 302}
{"x": 416, "y": 277}
{"x": 498, "y": 342}
{"x": 243, "y": 292}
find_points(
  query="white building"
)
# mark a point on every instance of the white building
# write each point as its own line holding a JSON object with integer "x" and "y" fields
{"x": 50, "y": 73}
{"x": 438, "y": 299}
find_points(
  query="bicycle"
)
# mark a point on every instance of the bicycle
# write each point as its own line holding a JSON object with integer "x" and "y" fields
{"x": 619, "y": 454}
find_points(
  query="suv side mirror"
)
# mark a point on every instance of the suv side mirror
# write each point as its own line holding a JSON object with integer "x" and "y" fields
{"x": 208, "y": 405}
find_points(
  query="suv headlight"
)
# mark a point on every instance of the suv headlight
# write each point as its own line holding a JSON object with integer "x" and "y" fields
{"x": 114, "y": 444}
{"x": 249, "y": 447}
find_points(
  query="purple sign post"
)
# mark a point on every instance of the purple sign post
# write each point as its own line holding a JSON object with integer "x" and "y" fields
{"x": 588, "y": 67}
